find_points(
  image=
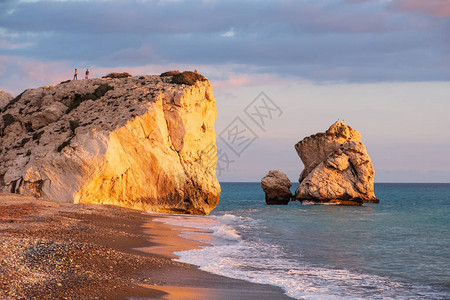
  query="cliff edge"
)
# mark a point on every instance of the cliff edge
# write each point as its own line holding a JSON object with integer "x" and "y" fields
{"x": 5, "y": 98}
{"x": 140, "y": 142}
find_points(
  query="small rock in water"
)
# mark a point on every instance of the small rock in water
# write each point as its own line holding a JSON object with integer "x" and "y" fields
{"x": 276, "y": 187}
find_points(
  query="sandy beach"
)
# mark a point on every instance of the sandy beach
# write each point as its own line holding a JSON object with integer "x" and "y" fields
{"x": 65, "y": 251}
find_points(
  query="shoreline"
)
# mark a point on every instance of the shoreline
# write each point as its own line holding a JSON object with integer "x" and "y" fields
{"x": 188, "y": 281}
{"x": 92, "y": 251}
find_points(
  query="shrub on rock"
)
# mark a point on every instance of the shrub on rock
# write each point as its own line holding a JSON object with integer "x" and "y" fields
{"x": 170, "y": 73}
{"x": 118, "y": 75}
{"x": 188, "y": 78}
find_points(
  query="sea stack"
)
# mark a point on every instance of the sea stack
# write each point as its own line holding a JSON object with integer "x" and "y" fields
{"x": 144, "y": 142}
{"x": 337, "y": 168}
{"x": 276, "y": 186}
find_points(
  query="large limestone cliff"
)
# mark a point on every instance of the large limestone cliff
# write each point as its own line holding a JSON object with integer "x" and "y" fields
{"x": 337, "y": 168}
{"x": 141, "y": 142}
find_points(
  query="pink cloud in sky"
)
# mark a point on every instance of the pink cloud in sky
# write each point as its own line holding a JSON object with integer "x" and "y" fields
{"x": 18, "y": 74}
{"x": 222, "y": 77}
{"x": 438, "y": 8}
{"x": 234, "y": 81}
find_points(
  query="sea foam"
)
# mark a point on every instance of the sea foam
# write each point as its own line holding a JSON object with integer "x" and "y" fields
{"x": 252, "y": 260}
{"x": 216, "y": 226}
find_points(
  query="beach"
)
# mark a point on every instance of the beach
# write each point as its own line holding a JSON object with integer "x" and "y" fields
{"x": 79, "y": 251}
{"x": 243, "y": 250}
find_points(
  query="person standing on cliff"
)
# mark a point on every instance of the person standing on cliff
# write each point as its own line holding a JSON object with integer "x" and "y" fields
{"x": 75, "y": 76}
{"x": 86, "y": 75}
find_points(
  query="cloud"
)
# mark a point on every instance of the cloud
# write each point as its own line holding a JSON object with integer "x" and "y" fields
{"x": 323, "y": 41}
{"x": 7, "y": 45}
{"x": 8, "y": 40}
{"x": 232, "y": 80}
{"x": 366, "y": 1}
{"x": 191, "y": 17}
{"x": 144, "y": 54}
{"x": 18, "y": 74}
{"x": 229, "y": 33}
{"x": 438, "y": 8}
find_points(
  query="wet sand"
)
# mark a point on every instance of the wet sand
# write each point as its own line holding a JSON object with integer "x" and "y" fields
{"x": 65, "y": 251}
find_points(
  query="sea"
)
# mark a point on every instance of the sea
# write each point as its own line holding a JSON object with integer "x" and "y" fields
{"x": 397, "y": 249}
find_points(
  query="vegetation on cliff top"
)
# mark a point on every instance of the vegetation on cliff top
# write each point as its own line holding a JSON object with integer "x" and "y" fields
{"x": 170, "y": 73}
{"x": 118, "y": 75}
{"x": 187, "y": 77}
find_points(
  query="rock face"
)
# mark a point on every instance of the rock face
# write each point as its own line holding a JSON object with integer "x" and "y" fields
{"x": 337, "y": 168}
{"x": 276, "y": 187}
{"x": 141, "y": 142}
{"x": 5, "y": 98}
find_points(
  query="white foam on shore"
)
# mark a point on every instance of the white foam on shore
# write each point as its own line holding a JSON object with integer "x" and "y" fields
{"x": 211, "y": 224}
{"x": 259, "y": 264}
{"x": 233, "y": 256}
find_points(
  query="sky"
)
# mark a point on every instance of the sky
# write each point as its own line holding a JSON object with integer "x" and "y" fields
{"x": 383, "y": 66}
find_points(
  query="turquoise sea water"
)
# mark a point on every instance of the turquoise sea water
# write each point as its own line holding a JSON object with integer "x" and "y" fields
{"x": 398, "y": 249}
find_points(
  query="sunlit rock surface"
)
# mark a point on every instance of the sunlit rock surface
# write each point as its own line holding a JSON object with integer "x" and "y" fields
{"x": 140, "y": 142}
{"x": 337, "y": 168}
{"x": 4, "y": 98}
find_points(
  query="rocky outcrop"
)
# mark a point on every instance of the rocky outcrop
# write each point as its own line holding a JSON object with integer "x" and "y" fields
{"x": 337, "y": 168}
{"x": 141, "y": 142}
{"x": 276, "y": 187}
{"x": 5, "y": 98}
